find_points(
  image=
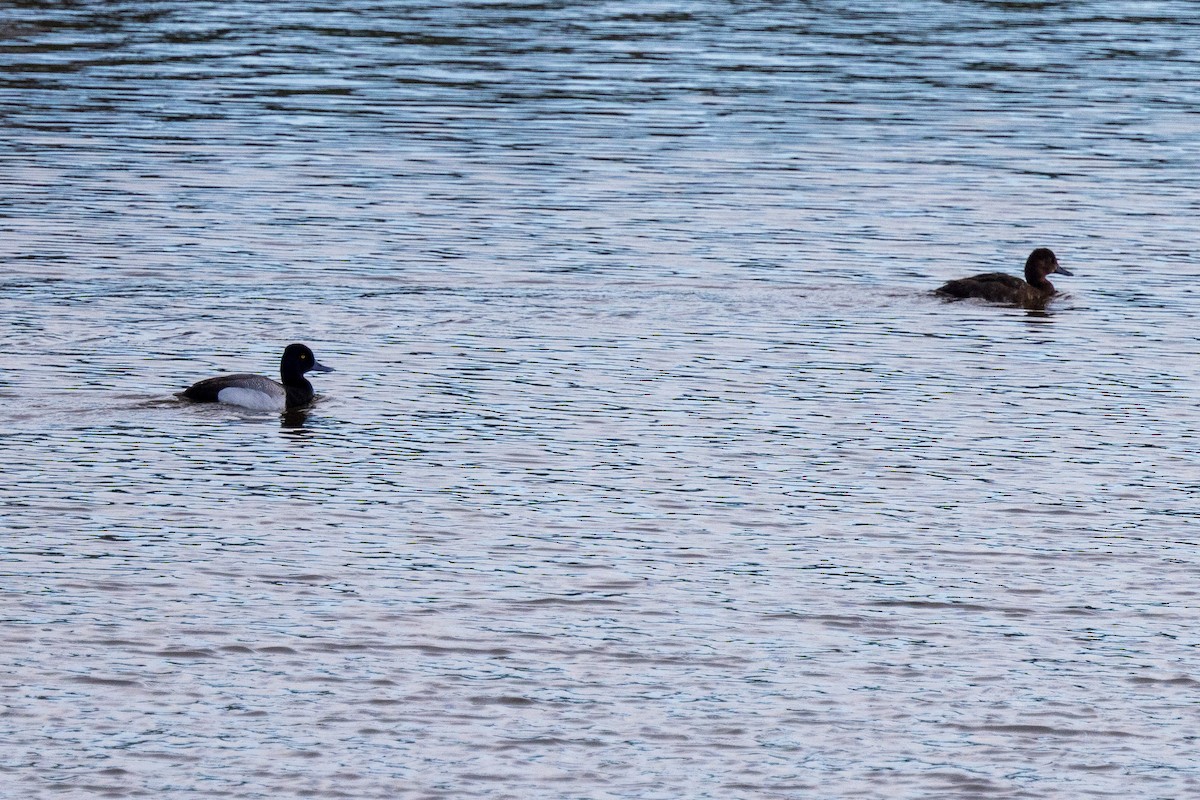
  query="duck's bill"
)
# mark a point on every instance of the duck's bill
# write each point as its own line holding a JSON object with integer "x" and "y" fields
{"x": 318, "y": 367}
{"x": 1063, "y": 270}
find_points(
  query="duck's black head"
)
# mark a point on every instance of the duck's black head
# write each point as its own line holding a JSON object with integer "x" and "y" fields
{"x": 297, "y": 360}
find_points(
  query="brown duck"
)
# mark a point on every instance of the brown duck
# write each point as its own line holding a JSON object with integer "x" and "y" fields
{"x": 998, "y": 287}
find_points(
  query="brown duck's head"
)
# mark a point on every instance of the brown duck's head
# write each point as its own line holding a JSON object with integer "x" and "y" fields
{"x": 1042, "y": 262}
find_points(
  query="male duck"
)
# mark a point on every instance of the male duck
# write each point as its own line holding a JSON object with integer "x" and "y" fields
{"x": 997, "y": 287}
{"x": 262, "y": 394}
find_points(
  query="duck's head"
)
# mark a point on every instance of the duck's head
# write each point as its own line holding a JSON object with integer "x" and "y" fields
{"x": 297, "y": 360}
{"x": 1042, "y": 262}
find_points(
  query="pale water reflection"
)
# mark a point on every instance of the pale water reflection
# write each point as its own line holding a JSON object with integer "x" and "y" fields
{"x": 651, "y": 466}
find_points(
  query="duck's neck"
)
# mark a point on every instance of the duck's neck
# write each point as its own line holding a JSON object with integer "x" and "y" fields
{"x": 299, "y": 392}
{"x": 1039, "y": 282}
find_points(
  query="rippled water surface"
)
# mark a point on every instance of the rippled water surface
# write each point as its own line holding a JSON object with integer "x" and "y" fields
{"x": 650, "y": 467}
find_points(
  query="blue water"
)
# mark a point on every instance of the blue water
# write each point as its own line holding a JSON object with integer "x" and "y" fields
{"x": 651, "y": 468}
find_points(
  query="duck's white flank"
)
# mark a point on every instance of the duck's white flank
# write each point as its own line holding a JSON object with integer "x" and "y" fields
{"x": 253, "y": 399}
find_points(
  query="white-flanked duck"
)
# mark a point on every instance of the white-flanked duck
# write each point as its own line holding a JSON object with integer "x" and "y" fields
{"x": 259, "y": 393}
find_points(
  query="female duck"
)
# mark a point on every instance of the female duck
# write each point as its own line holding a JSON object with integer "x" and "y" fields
{"x": 263, "y": 394}
{"x": 998, "y": 287}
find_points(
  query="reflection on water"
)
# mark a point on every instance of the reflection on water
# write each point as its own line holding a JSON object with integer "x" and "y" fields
{"x": 293, "y": 422}
{"x": 651, "y": 467}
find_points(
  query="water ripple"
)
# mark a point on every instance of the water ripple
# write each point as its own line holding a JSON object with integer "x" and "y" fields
{"x": 650, "y": 468}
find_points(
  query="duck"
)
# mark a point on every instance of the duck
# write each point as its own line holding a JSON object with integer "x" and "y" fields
{"x": 259, "y": 393}
{"x": 998, "y": 287}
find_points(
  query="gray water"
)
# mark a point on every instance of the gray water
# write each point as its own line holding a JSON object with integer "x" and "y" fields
{"x": 650, "y": 467}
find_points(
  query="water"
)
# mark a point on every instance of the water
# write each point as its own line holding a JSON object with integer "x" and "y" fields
{"x": 650, "y": 469}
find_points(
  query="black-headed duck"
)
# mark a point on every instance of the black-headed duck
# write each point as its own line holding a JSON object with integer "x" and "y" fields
{"x": 258, "y": 393}
{"x": 998, "y": 287}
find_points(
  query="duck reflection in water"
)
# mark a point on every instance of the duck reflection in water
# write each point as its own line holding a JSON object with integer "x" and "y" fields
{"x": 998, "y": 287}
{"x": 294, "y": 422}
